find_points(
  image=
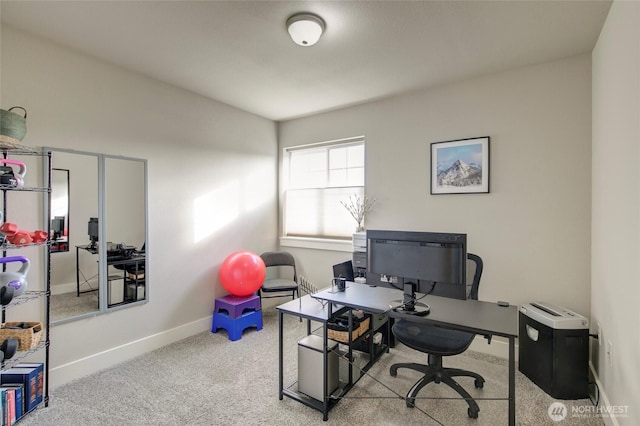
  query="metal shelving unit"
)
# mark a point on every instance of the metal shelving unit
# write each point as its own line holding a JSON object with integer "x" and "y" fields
{"x": 38, "y": 291}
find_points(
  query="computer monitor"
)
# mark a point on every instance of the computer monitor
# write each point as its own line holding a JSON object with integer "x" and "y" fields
{"x": 93, "y": 230}
{"x": 417, "y": 262}
{"x": 344, "y": 270}
{"x": 57, "y": 227}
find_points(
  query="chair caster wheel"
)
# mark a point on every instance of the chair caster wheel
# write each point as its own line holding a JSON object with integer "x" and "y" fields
{"x": 473, "y": 414}
{"x": 393, "y": 371}
{"x": 479, "y": 384}
{"x": 411, "y": 402}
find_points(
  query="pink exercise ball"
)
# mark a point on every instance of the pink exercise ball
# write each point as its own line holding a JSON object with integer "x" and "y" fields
{"x": 242, "y": 273}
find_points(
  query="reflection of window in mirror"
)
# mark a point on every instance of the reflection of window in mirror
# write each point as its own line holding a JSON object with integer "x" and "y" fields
{"x": 59, "y": 210}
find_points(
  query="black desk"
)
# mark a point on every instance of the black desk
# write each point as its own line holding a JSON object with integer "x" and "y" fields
{"x": 314, "y": 310}
{"x": 89, "y": 249}
{"x": 484, "y": 318}
{"x": 60, "y": 244}
{"x": 135, "y": 265}
{"x": 132, "y": 274}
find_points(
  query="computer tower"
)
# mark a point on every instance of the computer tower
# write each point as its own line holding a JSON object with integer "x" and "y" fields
{"x": 310, "y": 379}
{"x": 554, "y": 349}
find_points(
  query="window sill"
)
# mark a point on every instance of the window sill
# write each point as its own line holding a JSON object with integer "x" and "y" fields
{"x": 317, "y": 243}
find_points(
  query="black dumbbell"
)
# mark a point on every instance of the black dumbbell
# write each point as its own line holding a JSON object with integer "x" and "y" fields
{"x": 9, "y": 347}
{"x": 6, "y": 294}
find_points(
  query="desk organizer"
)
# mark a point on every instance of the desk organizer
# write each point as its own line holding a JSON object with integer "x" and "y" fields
{"x": 28, "y": 334}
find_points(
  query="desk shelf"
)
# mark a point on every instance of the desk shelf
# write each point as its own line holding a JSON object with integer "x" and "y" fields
{"x": 129, "y": 270}
{"x": 312, "y": 310}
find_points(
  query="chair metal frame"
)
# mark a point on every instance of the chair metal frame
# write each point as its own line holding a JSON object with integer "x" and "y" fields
{"x": 279, "y": 259}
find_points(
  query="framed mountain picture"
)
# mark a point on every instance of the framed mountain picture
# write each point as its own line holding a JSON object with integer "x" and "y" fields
{"x": 460, "y": 166}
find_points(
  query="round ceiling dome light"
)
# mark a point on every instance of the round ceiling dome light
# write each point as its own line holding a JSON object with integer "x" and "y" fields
{"x": 305, "y": 29}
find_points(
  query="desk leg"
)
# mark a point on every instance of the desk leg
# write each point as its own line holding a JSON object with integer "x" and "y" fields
{"x": 325, "y": 380}
{"x": 280, "y": 363}
{"x": 512, "y": 382}
{"x": 77, "y": 272}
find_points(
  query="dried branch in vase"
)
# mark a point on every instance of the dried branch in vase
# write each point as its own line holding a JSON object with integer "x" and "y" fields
{"x": 359, "y": 207}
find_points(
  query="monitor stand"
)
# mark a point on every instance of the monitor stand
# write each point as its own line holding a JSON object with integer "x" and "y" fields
{"x": 408, "y": 305}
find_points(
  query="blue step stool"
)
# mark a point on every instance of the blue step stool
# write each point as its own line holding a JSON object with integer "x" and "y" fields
{"x": 235, "y": 326}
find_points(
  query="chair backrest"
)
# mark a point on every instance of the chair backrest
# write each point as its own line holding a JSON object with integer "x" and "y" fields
{"x": 280, "y": 258}
{"x": 475, "y": 283}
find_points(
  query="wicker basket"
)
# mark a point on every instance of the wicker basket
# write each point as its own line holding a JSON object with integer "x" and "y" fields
{"x": 339, "y": 330}
{"x": 29, "y": 337}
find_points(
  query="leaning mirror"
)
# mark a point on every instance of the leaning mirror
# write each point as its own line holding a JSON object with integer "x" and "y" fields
{"x": 125, "y": 230}
{"x": 59, "y": 210}
{"x": 104, "y": 265}
{"x": 75, "y": 280}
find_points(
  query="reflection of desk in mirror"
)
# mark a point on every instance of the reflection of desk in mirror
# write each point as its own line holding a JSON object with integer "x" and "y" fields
{"x": 60, "y": 244}
{"x": 126, "y": 265}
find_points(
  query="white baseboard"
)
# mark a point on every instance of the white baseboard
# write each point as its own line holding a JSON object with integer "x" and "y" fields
{"x": 603, "y": 399}
{"x": 79, "y": 368}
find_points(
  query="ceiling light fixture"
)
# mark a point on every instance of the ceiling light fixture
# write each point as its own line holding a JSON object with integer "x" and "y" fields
{"x": 305, "y": 29}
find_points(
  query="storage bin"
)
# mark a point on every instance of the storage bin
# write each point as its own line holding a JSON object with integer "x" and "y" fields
{"x": 554, "y": 349}
{"x": 359, "y": 260}
{"x": 28, "y": 334}
{"x": 338, "y": 328}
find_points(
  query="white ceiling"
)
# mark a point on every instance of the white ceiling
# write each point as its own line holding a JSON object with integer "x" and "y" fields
{"x": 239, "y": 52}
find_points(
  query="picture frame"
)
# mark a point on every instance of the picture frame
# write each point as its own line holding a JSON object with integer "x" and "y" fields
{"x": 460, "y": 166}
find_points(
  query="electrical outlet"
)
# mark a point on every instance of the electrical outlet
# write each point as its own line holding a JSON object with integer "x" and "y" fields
{"x": 610, "y": 353}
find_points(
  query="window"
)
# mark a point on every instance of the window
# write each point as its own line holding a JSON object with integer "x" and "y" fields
{"x": 317, "y": 178}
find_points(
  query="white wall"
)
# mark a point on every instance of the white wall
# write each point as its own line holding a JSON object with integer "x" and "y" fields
{"x": 533, "y": 229}
{"x": 197, "y": 149}
{"x": 616, "y": 207}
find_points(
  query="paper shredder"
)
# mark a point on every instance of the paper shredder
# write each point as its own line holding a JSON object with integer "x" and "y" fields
{"x": 310, "y": 379}
{"x": 554, "y": 349}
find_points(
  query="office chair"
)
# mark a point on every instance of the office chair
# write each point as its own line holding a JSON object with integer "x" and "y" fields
{"x": 279, "y": 285}
{"x": 437, "y": 342}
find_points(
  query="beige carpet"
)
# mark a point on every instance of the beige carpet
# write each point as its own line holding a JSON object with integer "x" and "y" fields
{"x": 68, "y": 305}
{"x": 209, "y": 380}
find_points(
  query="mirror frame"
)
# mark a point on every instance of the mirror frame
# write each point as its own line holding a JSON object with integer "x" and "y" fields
{"x": 66, "y": 216}
{"x": 103, "y": 307}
